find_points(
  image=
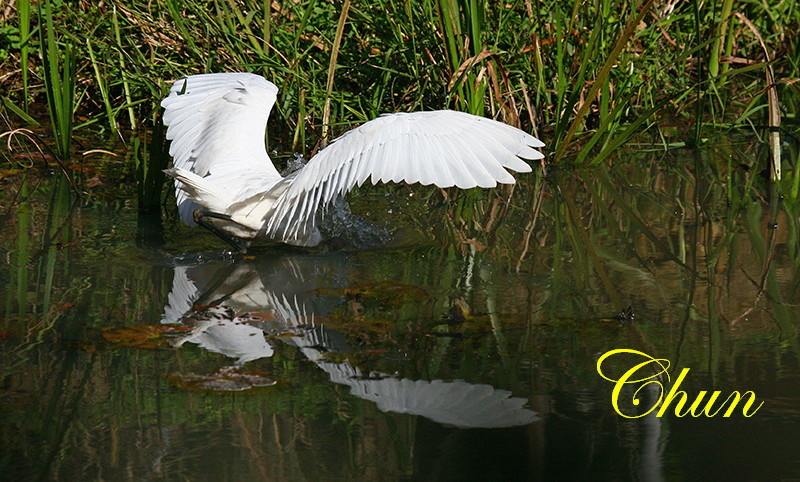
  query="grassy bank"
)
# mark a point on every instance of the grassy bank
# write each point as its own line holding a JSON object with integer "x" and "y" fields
{"x": 586, "y": 76}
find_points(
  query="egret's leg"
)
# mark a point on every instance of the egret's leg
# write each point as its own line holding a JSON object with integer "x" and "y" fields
{"x": 201, "y": 218}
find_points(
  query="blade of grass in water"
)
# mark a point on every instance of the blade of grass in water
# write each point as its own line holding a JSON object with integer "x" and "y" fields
{"x": 55, "y": 234}
{"x": 20, "y": 112}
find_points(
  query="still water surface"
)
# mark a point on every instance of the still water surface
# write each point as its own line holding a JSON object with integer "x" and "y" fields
{"x": 463, "y": 346}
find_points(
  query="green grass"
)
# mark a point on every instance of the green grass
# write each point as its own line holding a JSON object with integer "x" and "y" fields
{"x": 585, "y": 76}
{"x": 59, "y": 62}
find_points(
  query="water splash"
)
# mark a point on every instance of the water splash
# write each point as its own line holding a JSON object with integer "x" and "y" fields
{"x": 340, "y": 227}
{"x": 345, "y": 230}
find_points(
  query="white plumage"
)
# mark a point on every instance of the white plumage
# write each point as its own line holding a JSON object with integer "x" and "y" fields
{"x": 225, "y": 179}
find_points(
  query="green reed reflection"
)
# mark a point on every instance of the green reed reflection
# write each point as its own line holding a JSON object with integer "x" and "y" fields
{"x": 518, "y": 290}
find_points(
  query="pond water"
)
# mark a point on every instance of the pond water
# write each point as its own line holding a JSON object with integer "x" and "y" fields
{"x": 464, "y": 345}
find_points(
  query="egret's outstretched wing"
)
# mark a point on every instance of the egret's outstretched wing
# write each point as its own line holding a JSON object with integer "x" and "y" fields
{"x": 216, "y": 123}
{"x": 445, "y": 148}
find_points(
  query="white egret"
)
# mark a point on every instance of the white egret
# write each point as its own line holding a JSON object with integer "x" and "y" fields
{"x": 226, "y": 182}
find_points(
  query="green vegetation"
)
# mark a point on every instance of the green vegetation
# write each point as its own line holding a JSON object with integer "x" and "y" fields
{"x": 676, "y": 106}
{"x": 590, "y": 75}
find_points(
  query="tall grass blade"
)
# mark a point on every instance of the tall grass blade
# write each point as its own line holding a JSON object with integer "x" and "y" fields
{"x": 337, "y": 43}
{"x": 461, "y": 22}
{"x": 59, "y": 80}
{"x": 20, "y": 112}
{"x": 102, "y": 85}
{"x": 635, "y": 19}
{"x": 24, "y": 18}
{"x": 123, "y": 70}
{"x": 720, "y": 36}
{"x": 773, "y": 107}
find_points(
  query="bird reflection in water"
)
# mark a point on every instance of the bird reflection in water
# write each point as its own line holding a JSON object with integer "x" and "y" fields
{"x": 242, "y": 310}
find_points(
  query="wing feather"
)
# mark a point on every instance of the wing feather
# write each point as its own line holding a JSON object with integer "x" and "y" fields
{"x": 384, "y": 168}
{"x": 363, "y": 170}
{"x": 425, "y": 175}
{"x": 328, "y": 191}
{"x": 429, "y": 174}
{"x": 211, "y": 117}
{"x": 496, "y": 170}
{"x": 474, "y": 166}
{"x": 353, "y": 167}
{"x": 444, "y": 148}
{"x": 498, "y": 151}
{"x": 457, "y": 172}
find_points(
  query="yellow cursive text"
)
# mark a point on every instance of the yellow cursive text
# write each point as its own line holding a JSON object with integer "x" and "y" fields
{"x": 649, "y": 372}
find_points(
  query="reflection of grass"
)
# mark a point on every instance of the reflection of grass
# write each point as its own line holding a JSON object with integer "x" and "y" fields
{"x": 710, "y": 280}
{"x": 33, "y": 300}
